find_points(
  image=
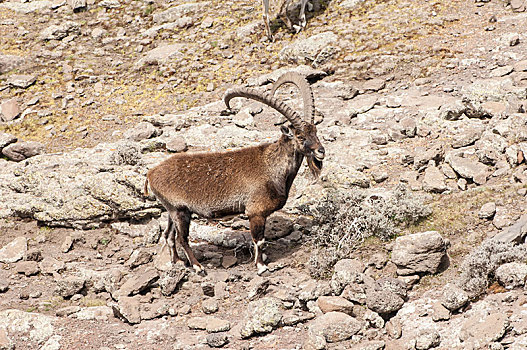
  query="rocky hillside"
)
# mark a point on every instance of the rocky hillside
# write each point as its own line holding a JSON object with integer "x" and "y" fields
{"x": 413, "y": 238}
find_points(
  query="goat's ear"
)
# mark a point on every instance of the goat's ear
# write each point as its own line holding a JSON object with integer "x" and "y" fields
{"x": 286, "y": 131}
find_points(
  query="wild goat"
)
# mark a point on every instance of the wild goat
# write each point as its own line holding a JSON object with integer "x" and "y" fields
{"x": 284, "y": 15}
{"x": 255, "y": 180}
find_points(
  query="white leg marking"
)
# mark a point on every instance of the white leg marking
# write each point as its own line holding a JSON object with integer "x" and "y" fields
{"x": 260, "y": 242}
{"x": 255, "y": 252}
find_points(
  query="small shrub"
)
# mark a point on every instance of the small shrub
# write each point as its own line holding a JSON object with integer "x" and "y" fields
{"x": 479, "y": 267}
{"x": 127, "y": 153}
{"x": 343, "y": 220}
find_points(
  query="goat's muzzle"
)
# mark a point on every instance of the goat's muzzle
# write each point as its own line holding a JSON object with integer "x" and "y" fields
{"x": 314, "y": 161}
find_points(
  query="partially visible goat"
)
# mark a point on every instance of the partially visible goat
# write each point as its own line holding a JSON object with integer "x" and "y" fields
{"x": 284, "y": 15}
{"x": 255, "y": 180}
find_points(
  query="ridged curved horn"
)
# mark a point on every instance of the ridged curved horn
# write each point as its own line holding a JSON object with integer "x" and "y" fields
{"x": 268, "y": 99}
{"x": 305, "y": 91}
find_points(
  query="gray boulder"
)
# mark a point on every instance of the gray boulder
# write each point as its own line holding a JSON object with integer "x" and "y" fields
{"x": 419, "y": 253}
{"x": 262, "y": 316}
{"x": 512, "y": 275}
{"x": 514, "y": 233}
{"x": 22, "y": 150}
{"x": 69, "y": 286}
{"x": 454, "y": 297}
{"x": 383, "y": 302}
{"x": 487, "y": 210}
{"x": 469, "y": 168}
{"x": 333, "y": 327}
{"x": 59, "y": 32}
{"x": 316, "y": 48}
{"x": 346, "y": 271}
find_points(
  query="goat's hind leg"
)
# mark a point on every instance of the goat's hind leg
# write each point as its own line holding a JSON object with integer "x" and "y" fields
{"x": 170, "y": 238}
{"x": 181, "y": 219}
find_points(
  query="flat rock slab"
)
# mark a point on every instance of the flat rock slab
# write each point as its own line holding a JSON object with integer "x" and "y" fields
{"x": 138, "y": 283}
{"x": 22, "y": 81}
{"x": 468, "y": 168}
{"x": 22, "y": 150}
{"x": 95, "y": 187}
{"x": 26, "y": 7}
{"x": 483, "y": 328}
{"x": 13, "y": 251}
{"x": 36, "y": 327}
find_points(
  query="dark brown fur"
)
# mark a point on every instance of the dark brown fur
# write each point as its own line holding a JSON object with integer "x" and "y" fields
{"x": 255, "y": 180}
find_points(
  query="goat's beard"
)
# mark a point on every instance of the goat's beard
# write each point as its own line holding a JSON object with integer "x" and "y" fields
{"x": 315, "y": 165}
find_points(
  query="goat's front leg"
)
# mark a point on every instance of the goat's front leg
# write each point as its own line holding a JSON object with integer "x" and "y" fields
{"x": 266, "y": 18}
{"x": 303, "y": 20}
{"x": 257, "y": 224}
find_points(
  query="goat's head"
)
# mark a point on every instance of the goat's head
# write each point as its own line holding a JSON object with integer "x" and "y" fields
{"x": 306, "y": 134}
{"x": 303, "y": 131}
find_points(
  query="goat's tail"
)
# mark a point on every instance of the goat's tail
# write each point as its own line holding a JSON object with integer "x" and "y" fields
{"x": 146, "y": 187}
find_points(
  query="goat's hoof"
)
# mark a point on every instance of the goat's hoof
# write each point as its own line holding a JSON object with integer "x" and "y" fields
{"x": 262, "y": 269}
{"x": 200, "y": 270}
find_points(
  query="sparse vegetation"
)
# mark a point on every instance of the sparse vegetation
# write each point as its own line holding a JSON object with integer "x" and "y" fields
{"x": 479, "y": 267}
{"x": 344, "y": 220}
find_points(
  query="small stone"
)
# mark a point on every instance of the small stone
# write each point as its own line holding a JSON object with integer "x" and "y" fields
{"x": 177, "y": 144}
{"x": 66, "y": 311}
{"x": 210, "y": 306}
{"x": 512, "y": 275}
{"x": 216, "y": 325}
{"x": 208, "y": 289}
{"x": 23, "y": 149}
{"x": 28, "y": 268}
{"x": 335, "y": 326}
{"x": 454, "y": 297}
{"x": 462, "y": 184}
{"x": 67, "y": 287}
{"x": 394, "y": 328}
{"x": 487, "y": 211}
{"x": 217, "y": 340}
{"x": 439, "y": 312}
{"x": 228, "y": 261}
{"x": 128, "y": 309}
{"x": 137, "y": 284}
{"x": 9, "y": 110}
{"x": 335, "y": 303}
{"x": 139, "y": 257}
{"x": 427, "y": 339}
{"x": 67, "y": 244}
{"x": 383, "y": 301}
{"x": 21, "y": 81}
{"x": 197, "y": 323}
